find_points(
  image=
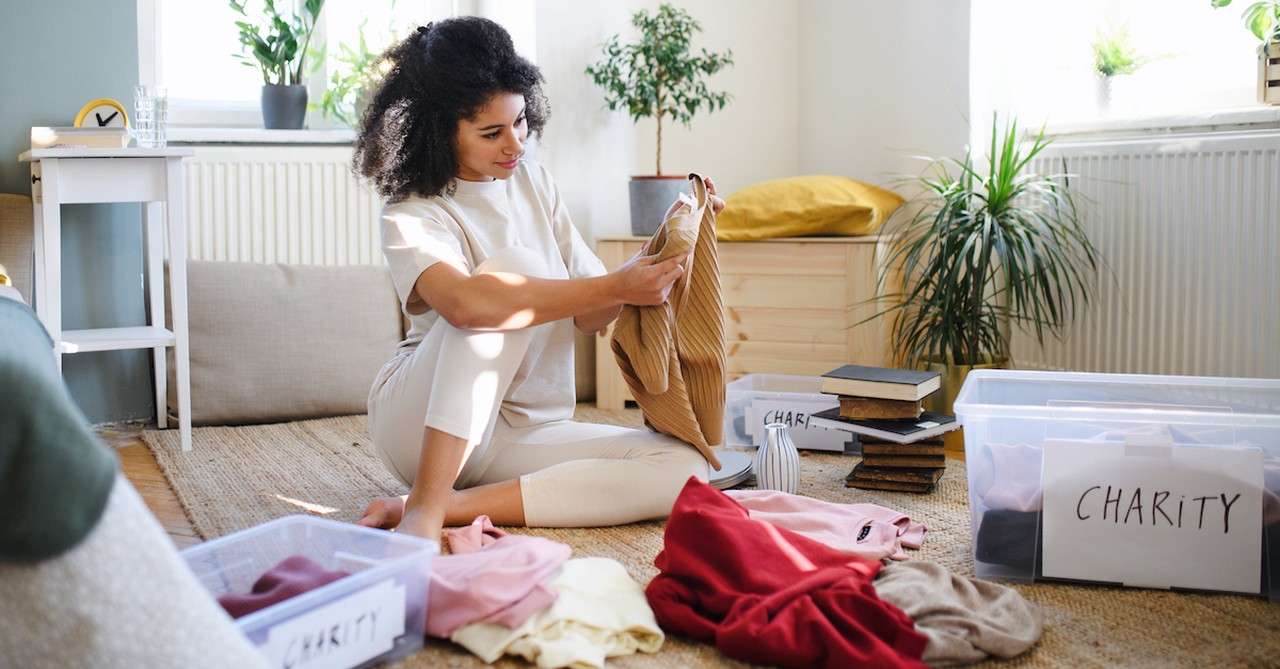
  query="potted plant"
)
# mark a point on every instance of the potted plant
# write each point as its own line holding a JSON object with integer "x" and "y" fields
{"x": 659, "y": 76}
{"x": 1263, "y": 20}
{"x": 1113, "y": 56}
{"x": 979, "y": 250}
{"x": 278, "y": 47}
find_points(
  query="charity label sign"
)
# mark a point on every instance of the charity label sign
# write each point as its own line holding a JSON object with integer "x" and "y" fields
{"x": 1150, "y": 513}
{"x": 343, "y": 633}
{"x": 795, "y": 415}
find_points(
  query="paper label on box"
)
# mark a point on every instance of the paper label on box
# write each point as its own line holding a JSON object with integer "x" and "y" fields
{"x": 795, "y": 415}
{"x": 340, "y": 634}
{"x": 1151, "y": 514}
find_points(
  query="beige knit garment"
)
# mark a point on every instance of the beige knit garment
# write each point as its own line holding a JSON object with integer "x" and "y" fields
{"x": 672, "y": 355}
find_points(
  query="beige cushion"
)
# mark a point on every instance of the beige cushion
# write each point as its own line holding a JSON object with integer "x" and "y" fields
{"x": 273, "y": 342}
{"x": 17, "y": 230}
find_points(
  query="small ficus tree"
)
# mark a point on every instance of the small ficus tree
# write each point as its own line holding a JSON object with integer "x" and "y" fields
{"x": 659, "y": 75}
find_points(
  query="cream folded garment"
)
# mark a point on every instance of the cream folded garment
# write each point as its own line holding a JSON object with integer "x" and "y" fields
{"x": 600, "y": 612}
{"x": 500, "y": 593}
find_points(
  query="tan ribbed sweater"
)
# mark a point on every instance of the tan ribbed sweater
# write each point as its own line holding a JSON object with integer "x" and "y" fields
{"x": 672, "y": 355}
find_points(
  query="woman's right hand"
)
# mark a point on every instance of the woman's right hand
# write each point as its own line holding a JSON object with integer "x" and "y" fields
{"x": 645, "y": 282}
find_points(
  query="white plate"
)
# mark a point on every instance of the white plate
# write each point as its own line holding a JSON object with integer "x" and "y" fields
{"x": 735, "y": 468}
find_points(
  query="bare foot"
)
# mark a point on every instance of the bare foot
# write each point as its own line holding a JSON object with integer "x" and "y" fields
{"x": 384, "y": 513}
{"x": 420, "y": 524}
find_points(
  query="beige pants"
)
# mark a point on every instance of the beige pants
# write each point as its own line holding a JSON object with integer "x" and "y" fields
{"x": 122, "y": 597}
{"x": 572, "y": 474}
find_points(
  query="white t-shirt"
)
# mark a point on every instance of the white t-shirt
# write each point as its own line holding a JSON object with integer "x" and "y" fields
{"x": 464, "y": 229}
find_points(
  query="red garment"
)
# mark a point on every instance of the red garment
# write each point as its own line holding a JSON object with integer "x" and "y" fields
{"x": 291, "y": 577}
{"x": 765, "y": 594}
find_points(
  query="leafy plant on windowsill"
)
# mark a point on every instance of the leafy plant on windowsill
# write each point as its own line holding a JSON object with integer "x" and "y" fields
{"x": 982, "y": 249}
{"x": 356, "y": 73}
{"x": 659, "y": 75}
{"x": 277, "y": 47}
{"x": 1261, "y": 18}
{"x": 1114, "y": 55}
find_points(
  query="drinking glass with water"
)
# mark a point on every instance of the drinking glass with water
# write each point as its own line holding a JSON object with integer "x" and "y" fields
{"x": 150, "y": 116}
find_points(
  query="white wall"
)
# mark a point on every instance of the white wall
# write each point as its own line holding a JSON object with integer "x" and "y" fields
{"x": 819, "y": 86}
{"x": 882, "y": 82}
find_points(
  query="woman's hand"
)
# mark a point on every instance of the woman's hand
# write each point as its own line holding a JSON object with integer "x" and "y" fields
{"x": 645, "y": 282}
{"x": 717, "y": 204}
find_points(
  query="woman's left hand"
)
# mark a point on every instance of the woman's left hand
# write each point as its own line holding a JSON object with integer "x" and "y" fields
{"x": 717, "y": 204}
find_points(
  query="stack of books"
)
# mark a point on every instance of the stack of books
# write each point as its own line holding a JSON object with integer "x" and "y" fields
{"x": 902, "y": 447}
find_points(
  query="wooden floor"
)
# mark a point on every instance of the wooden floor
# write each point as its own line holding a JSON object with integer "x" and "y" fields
{"x": 140, "y": 467}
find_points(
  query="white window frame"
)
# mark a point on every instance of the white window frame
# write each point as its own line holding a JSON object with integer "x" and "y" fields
{"x": 519, "y": 16}
{"x": 1014, "y": 51}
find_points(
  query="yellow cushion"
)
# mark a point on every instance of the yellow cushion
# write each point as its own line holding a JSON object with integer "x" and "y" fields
{"x": 805, "y": 206}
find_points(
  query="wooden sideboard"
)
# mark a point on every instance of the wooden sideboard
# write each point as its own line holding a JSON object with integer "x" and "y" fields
{"x": 792, "y": 306}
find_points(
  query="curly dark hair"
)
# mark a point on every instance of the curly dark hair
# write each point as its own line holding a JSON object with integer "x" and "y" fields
{"x": 440, "y": 74}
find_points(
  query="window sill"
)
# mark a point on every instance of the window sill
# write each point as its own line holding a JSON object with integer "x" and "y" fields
{"x": 1243, "y": 118}
{"x": 258, "y": 136}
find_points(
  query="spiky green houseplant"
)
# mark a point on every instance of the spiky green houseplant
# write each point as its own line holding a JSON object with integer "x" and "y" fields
{"x": 982, "y": 249}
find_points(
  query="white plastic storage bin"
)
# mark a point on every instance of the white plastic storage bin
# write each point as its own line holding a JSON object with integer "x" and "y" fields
{"x": 755, "y": 400}
{"x": 1140, "y": 480}
{"x": 377, "y": 613}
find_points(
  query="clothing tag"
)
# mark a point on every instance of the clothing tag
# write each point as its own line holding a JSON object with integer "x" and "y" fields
{"x": 1148, "y": 445}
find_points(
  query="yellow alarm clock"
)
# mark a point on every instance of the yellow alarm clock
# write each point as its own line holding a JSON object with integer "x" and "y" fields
{"x": 102, "y": 113}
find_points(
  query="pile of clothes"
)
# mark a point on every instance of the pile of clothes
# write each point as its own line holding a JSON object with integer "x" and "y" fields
{"x": 768, "y": 594}
{"x": 766, "y": 576}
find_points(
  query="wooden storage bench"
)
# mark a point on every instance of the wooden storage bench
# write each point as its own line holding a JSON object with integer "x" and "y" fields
{"x": 792, "y": 306}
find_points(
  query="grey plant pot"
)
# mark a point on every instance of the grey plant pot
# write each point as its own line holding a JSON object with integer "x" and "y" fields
{"x": 284, "y": 107}
{"x": 650, "y": 199}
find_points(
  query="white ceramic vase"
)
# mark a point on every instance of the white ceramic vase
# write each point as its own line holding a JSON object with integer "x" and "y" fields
{"x": 777, "y": 464}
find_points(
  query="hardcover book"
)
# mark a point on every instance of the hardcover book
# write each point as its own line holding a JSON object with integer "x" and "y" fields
{"x": 875, "y": 407}
{"x": 923, "y": 447}
{"x": 883, "y": 382}
{"x": 896, "y": 486}
{"x": 864, "y": 472}
{"x": 906, "y": 431}
{"x": 880, "y": 460}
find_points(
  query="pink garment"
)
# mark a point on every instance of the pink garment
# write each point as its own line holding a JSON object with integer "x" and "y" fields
{"x": 866, "y": 530}
{"x": 290, "y": 577}
{"x": 491, "y": 576}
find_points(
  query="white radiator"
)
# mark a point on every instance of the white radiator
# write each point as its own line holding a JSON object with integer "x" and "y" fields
{"x": 1189, "y": 226}
{"x": 288, "y": 204}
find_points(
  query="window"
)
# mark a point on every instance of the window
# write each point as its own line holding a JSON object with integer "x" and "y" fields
{"x": 1035, "y": 59}
{"x": 189, "y": 47}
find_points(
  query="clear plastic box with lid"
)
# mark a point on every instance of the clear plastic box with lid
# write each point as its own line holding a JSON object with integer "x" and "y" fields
{"x": 375, "y": 614}
{"x": 1140, "y": 480}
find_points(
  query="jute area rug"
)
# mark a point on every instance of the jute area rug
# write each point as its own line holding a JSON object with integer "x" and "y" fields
{"x": 238, "y": 477}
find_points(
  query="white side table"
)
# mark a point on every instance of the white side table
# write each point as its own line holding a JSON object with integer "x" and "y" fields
{"x": 149, "y": 176}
